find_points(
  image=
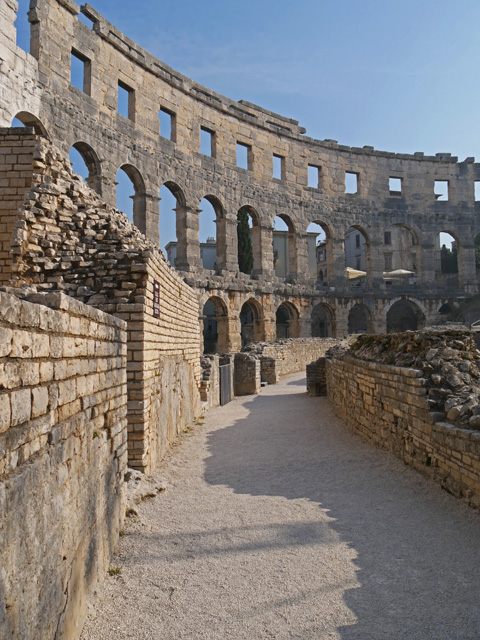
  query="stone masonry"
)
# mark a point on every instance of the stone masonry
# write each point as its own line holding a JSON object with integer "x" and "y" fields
{"x": 63, "y": 456}
{"x": 37, "y": 89}
{"x": 416, "y": 395}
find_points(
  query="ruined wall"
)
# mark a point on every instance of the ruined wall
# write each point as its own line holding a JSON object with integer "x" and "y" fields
{"x": 289, "y": 356}
{"x": 66, "y": 238}
{"x": 408, "y": 411}
{"x": 89, "y": 119}
{"x": 63, "y": 455}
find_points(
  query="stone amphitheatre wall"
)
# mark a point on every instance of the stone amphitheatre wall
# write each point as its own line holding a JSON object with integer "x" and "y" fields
{"x": 66, "y": 238}
{"x": 108, "y": 141}
{"x": 417, "y": 396}
{"x": 63, "y": 456}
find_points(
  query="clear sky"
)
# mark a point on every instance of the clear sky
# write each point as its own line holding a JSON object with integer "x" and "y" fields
{"x": 400, "y": 76}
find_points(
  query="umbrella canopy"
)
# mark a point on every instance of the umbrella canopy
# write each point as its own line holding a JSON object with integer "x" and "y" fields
{"x": 354, "y": 273}
{"x": 398, "y": 272}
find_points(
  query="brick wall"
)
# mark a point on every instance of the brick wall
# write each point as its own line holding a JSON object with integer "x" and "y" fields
{"x": 17, "y": 148}
{"x": 388, "y": 406}
{"x": 63, "y": 455}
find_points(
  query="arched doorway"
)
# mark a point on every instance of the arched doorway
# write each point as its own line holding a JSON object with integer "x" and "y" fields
{"x": 130, "y": 185}
{"x": 252, "y": 322}
{"x": 404, "y": 315}
{"x": 248, "y": 240}
{"x": 287, "y": 321}
{"x": 359, "y": 319}
{"x": 211, "y": 246}
{"x": 284, "y": 247}
{"x": 322, "y": 321}
{"x": 85, "y": 163}
{"x": 215, "y": 326}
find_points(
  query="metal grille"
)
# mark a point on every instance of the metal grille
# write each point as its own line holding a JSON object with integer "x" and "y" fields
{"x": 225, "y": 383}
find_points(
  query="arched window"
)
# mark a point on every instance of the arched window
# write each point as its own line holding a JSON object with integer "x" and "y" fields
{"x": 25, "y": 119}
{"x": 322, "y": 321}
{"x": 171, "y": 198}
{"x": 86, "y": 164}
{"x": 284, "y": 247}
{"x": 404, "y": 315}
{"x": 287, "y": 321}
{"x": 359, "y": 319}
{"x": 252, "y": 322}
{"x": 131, "y": 195}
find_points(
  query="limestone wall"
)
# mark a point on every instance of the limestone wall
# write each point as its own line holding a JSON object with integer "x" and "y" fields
{"x": 289, "y": 356}
{"x": 389, "y": 406}
{"x": 63, "y": 455}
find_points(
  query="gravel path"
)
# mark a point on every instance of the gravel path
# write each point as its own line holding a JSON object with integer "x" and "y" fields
{"x": 278, "y": 522}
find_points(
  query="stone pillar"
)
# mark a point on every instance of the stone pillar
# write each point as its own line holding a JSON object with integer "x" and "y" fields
{"x": 375, "y": 263}
{"x": 188, "y": 245}
{"x": 428, "y": 267}
{"x": 227, "y": 244}
{"x": 263, "y": 251}
{"x": 152, "y": 218}
{"x": 294, "y": 241}
{"x": 303, "y": 271}
{"x": 336, "y": 263}
{"x": 247, "y": 376}
{"x": 466, "y": 268}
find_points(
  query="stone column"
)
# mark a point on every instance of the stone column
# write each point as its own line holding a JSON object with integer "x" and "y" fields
{"x": 227, "y": 245}
{"x": 263, "y": 251}
{"x": 375, "y": 263}
{"x": 336, "y": 262}
{"x": 294, "y": 240}
{"x": 466, "y": 268}
{"x": 428, "y": 266}
{"x": 303, "y": 271}
{"x": 188, "y": 246}
{"x": 152, "y": 218}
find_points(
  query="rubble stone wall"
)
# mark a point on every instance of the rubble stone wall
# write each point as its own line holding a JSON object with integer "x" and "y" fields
{"x": 66, "y": 238}
{"x": 392, "y": 406}
{"x": 63, "y": 455}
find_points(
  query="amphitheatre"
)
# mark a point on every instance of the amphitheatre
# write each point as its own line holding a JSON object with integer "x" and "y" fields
{"x": 103, "y": 347}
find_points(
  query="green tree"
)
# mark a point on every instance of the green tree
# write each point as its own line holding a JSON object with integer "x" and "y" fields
{"x": 245, "y": 249}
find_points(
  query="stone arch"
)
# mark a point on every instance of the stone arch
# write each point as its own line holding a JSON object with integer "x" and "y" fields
{"x": 92, "y": 163}
{"x": 139, "y": 195}
{"x": 254, "y": 221}
{"x": 285, "y": 249}
{"x": 213, "y": 255}
{"x": 323, "y": 253}
{"x": 214, "y": 316}
{"x": 359, "y": 319}
{"x": 402, "y": 251}
{"x": 323, "y": 321}
{"x": 252, "y": 322}
{"x": 175, "y": 226}
{"x": 357, "y": 254}
{"x": 287, "y": 321}
{"x": 29, "y": 120}
{"x": 404, "y": 315}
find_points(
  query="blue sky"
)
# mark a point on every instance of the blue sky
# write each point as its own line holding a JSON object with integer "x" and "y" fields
{"x": 400, "y": 76}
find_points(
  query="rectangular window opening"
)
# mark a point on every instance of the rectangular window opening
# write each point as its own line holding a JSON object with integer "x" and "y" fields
{"x": 244, "y": 156}
{"x": 278, "y": 167}
{"x": 167, "y": 124}
{"x": 313, "y": 176}
{"x": 86, "y": 20}
{"x": 126, "y": 101}
{"x": 441, "y": 190}
{"x": 387, "y": 237}
{"x": 395, "y": 186}
{"x": 357, "y": 241}
{"x": 351, "y": 182}
{"x": 80, "y": 71}
{"x": 477, "y": 190}
{"x": 388, "y": 261}
{"x": 207, "y": 142}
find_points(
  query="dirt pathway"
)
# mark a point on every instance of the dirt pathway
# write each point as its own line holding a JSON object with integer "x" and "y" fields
{"x": 280, "y": 523}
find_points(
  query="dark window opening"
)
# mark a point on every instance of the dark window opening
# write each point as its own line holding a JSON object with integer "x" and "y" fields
{"x": 387, "y": 237}
{"x": 395, "y": 186}
{"x": 167, "y": 124}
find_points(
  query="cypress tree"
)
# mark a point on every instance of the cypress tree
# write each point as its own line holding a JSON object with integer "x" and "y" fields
{"x": 245, "y": 249}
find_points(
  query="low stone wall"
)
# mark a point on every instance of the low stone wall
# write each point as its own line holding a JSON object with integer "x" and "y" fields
{"x": 63, "y": 456}
{"x": 389, "y": 405}
{"x": 317, "y": 378}
{"x": 288, "y": 356}
{"x": 246, "y": 376}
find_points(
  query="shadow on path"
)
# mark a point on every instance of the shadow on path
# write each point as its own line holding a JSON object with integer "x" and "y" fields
{"x": 418, "y": 549}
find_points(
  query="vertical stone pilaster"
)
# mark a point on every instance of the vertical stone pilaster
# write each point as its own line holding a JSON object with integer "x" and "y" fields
{"x": 188, "y": 247}
{"x": 227, "y": 245}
